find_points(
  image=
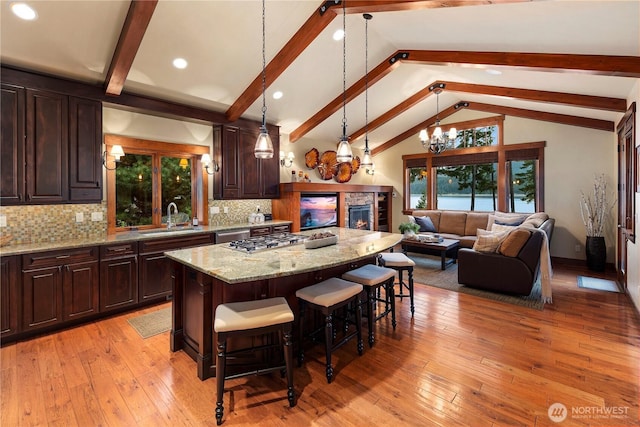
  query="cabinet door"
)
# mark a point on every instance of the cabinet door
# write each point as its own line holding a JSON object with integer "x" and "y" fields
{"x": 250, "y": 175}
{"x": 230, "y": 168}
{"x": 12, "y": 145}
{"x": 9, "y": 301}
{"x": 47, "y": 147}
{"x": 270, "y": 172}
{"x": 79, "y": 290}
{"x": 118, "y": 282}
{"x": 155, "y": 276}
{"x": 42, "y": 298}
{"x": 85, "y": 145}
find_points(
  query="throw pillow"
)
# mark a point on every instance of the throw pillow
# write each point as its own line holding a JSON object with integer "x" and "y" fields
{"x": 501, "y": 227}
{"x": 513, "y": 243}
{"x": 488, "y": 241}
{"x": 411, "y": 218}
{"x": 425, "y": 224}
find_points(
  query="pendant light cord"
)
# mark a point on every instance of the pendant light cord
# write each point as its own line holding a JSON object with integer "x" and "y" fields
{"x": 344, "y": 70}
{"x": 366, "y": 82}
{"x": 264, "y": 73}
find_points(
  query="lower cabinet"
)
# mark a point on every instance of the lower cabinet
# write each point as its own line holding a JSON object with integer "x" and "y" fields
{"x": 9, "y": 291}
{"x": 118, "y": 276}
{"x": 58, "y": 286}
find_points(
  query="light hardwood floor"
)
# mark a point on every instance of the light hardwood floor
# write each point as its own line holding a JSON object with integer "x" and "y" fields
{"x": 462, "y": 361}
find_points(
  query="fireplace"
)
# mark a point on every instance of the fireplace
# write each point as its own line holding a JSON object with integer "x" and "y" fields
{"x": 360, "y": 217}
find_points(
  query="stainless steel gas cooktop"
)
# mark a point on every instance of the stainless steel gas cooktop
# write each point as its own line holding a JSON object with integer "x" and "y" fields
{"x": 270, "y": 241}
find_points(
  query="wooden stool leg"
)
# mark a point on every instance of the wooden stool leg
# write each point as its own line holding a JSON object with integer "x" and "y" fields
{"x": 371, "y": 306}
{"x": 390, "y": 291}
{"x": 401, "y": 283}
{"x": 220, "y": 369}
{"x": 411, "y": 290}
{"x": 328, "y": 337}
{"x": 359, "y": 325}
{"x": 288, "y": 360}
{"x": 302, "y": 305}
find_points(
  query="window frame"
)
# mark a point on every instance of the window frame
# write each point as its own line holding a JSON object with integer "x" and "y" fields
{"x": 504, "y": 153}
{"x": 157, "y": 149}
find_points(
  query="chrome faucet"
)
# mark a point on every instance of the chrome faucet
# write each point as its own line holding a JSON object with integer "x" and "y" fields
{"x": 169, "y": 224}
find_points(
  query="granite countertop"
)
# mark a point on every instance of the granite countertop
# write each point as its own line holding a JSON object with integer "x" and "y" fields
{"x": 233, "y": 266}
{"x": 127, "y": 237}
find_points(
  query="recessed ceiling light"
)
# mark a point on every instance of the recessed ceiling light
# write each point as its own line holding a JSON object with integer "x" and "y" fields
{"x": 24, "y": 11}
{"x": 338, "y": 35}
{"x": 180, "y": 63}
{"x": 493, "y": 71}
{"x": 277, "y": 94}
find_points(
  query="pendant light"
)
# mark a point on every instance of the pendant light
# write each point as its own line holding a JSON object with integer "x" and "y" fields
{"x": 367, "y": 161}
{"x": 264, "y": 146}
{"x": 344, "y": 153}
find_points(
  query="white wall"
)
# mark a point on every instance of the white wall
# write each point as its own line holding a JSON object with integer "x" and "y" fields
{"x": 633, "y": 249}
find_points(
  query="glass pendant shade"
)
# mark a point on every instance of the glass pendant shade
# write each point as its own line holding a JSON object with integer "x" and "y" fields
{"x": 344, "y": 153}
{"x": 367, "y": 161}
{"x": 264, "y": 147}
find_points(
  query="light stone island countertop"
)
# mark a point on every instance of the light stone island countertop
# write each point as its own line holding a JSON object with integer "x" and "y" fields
{"x": 127, "y": 237}
{"x": 232, "y": 266}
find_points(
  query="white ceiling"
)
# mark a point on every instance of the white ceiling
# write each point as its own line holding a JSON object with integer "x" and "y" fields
{"x": 221, "y": 40}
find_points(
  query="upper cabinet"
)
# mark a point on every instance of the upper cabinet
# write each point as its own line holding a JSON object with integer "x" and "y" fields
{"x": 241, "y": 175}
{"x": 50, "y": 148}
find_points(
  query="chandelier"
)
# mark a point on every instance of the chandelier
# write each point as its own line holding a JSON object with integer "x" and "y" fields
{"x": 438, "y": 142}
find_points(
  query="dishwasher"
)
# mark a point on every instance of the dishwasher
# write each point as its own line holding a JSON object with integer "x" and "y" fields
{"x": 232, "y": 235}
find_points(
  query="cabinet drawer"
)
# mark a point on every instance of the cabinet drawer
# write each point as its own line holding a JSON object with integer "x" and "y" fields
{"x": 119, "y": 250}
{"x": 61, "y": 257}
{"x": 260, "y": 231}
{"x": 281, "y": 228}
{"x": 159, "y": 245}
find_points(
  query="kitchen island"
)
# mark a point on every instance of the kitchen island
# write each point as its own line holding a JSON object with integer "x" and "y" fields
{"x": 207, "y": 276}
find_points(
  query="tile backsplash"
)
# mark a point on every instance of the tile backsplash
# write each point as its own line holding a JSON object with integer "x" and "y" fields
{"x": 53, "y": 223}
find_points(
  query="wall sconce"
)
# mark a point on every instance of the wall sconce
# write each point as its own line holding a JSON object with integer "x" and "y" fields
{"x": 206, "y": 162}
{"x": 288, "y": 160}
{"x": 116, "y": 153}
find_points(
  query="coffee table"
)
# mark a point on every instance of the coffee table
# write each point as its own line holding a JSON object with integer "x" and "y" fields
{"x": 448, "y": 248}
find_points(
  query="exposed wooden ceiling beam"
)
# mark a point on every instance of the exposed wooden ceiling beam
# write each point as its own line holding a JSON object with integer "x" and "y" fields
{"x": 594, "y": 64}
{"x": 135, "y": 25}
{"x": 316, "y": 23}
{"x": 604, "y": 125}
{"x": 565, "y": 119}
{"x": 586, "y": 101}
{"x": 607, "y": 65}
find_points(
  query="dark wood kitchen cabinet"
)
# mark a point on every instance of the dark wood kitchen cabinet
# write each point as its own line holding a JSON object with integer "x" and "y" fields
{"x": 50, "y": 146}
{"x": 241, "y": 175}
{"x": 9, "y": 294}
{"x": 155, "y": 270}
{"x": 59, "y": 286}
{"x": 118, "y": 276}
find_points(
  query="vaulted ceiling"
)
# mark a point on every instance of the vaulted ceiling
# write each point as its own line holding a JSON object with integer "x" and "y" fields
{"x": 565, "y": 61}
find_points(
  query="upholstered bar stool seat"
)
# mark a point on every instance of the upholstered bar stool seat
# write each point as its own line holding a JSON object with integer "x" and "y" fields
{"x": 373, "y": 277}
{"x": 327, "y": 297}
{"x": 249, "y": 318}
{"x": 400, "y": 262}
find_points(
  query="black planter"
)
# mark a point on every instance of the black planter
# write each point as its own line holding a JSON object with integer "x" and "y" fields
{"x": 596, "y": 253}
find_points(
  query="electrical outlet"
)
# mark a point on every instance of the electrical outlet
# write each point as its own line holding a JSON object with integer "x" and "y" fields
{"x": 226, "y": 209}
{"x": 79, "y": 217}
{"x": 578, "y": 248}
{"x": 96, "y": 216}
{"x": 214, "y": 210}
{"x": 3, "y": 220}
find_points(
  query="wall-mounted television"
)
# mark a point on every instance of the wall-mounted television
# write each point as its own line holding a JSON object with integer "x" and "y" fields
{"x": 318, "y": 210}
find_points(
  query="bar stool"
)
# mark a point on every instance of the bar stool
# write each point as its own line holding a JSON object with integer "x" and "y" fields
{"x": 327, "y": 297}
{"x": 251, "y": 318}
{"x": 400, "y": 262}
{"x": 373, "y": 277}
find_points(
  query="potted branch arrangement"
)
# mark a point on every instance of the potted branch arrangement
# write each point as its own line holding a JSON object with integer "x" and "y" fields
{"x": 409, "y": 229}
{"x": 595, "y": 209}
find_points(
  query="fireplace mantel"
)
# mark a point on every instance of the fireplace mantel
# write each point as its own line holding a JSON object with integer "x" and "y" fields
{"x": 287, "y": 207}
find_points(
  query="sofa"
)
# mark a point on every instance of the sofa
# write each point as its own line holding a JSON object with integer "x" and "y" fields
{"x": 498, "y": 251}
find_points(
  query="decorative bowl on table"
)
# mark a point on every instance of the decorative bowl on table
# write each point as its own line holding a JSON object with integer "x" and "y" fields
{"x": 318, "y": 240}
